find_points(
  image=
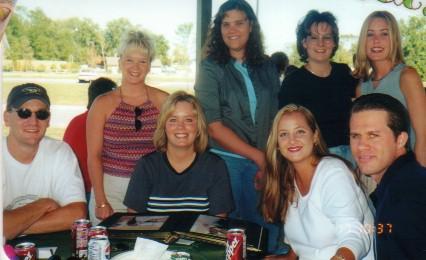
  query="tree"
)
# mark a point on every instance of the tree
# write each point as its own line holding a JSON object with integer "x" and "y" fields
{"x": 294, "y": 57}
{"x": 40, "y": 34}
{"x": 87, "y": 40}
{"x": 347, "y": 49}
{"x": 65, "y": 45}
{"x": 182, "y": 32}
{"x": 162, "y": 48}
{"x": 17, "y": 36}
{"x": 113, "y": 33}
{"x": 180, "y": 55}
{"x": 413, "y": 35}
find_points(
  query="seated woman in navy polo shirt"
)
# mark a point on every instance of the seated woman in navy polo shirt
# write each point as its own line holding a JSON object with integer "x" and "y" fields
{"x": 181, "y": 176}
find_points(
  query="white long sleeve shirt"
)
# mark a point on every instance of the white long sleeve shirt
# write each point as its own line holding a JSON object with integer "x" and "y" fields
{"x": 333, "y": 214}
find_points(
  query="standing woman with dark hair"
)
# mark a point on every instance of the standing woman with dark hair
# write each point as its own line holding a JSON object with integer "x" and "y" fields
{"x": 380, "y": 65}
{"x": 237, "y": 87}
{"x": 324, "y": 87}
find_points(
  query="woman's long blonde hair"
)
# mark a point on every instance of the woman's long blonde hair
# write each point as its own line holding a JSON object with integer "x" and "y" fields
{"x": 363, "y": 67}
{"x": 278, "y": 192}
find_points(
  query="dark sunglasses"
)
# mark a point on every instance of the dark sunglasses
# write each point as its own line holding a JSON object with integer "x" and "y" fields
{"x": 138, "y": 122}
{"x": 24, "y": 113}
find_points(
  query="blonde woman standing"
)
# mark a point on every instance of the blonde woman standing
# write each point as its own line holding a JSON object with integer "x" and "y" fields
{"x": 120, "y": 127}
{"x": 380, "y": 66}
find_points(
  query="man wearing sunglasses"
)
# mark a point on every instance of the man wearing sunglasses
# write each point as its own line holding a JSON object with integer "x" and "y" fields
{"x": 42, "y": 185}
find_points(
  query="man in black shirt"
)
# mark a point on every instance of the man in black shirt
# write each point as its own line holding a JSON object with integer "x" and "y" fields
{"x": 379, "y": 139}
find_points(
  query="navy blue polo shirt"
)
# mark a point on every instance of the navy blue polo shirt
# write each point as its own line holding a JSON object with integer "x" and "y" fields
{"x": 400, "y": 201}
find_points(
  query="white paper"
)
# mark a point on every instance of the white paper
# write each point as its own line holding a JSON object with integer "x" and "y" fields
{"x": 46, "y": 252}
{"x": 146, "y": 249}
{"x": 185, "y": 242}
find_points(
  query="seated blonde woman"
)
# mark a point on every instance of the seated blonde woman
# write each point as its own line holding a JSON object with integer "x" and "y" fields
{"x": 315, "y": 194}
{"x": 181, "y": 176}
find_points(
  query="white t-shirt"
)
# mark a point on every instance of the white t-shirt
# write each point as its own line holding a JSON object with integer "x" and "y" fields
{"x": 54, "y": 173}
{"x": 333, "y": 214}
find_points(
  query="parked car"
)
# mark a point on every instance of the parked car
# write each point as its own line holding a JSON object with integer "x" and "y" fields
{"x": 87, "y": 75}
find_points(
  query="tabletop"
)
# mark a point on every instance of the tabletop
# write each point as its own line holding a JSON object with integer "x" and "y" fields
{"x": 62, "y": 240}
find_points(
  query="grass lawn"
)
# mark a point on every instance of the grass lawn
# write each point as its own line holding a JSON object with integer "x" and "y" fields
{"x": 62, "y": 93}
{"x": 64, "y": 89}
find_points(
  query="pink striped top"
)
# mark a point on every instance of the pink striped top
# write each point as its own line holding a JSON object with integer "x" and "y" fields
{"x": 123, "y": 145}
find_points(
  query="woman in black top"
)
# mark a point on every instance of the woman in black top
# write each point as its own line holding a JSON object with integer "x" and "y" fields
{"x": 324, "y": 87}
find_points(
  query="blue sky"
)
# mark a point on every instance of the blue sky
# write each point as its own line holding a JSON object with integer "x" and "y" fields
{"x": 278, "y": 18}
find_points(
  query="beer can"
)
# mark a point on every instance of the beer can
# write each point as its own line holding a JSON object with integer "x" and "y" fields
{"x": 97, "y": 230}
{"x": 99, "y": 248}
{"x": 80, "y": 237}
{"x": 179, "y": 255}
{"x": 235, "y": 244}
{"x": 26, "y": 251}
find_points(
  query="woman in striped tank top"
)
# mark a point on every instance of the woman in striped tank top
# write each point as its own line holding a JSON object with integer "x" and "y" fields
{"x": 120, "y": 127}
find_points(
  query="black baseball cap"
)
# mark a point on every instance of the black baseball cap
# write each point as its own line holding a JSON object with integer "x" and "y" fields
{"x": 22, "y": 93}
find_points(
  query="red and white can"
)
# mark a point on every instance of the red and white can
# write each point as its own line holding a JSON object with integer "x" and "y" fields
{"x": 236, "y": 244}
{"x": 97, "y": 230}
{"x": 99, "y": 248}
{"x": 80, "y": 237}
{"x": 26, "y": 251}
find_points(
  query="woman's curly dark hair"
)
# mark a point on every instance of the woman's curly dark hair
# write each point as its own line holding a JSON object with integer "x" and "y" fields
{"x": 216, "y": 48}
{"x": 304, "y": 30}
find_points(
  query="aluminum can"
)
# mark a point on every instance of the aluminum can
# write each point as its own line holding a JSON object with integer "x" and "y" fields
{"x": 97, "y": 230}
{"x": 180, "y": 255}
{"x": 99, "y": 248}
{"x": 80, "y": 237}
{"x": 26, "y": 251}
{"x": 236, "y": 244}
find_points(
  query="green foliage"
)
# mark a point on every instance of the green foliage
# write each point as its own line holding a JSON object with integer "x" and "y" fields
{"x": 294, "y": 58}
{"x": 8, "y": 67}
{"x": 53, "y": 67}
{"x": 17, "y": 35}
{"x": 40, "y": 33}
{"x": 180, "y": 53}
{"x": 40, "y": 68}
{"x": 33, "y": 35}
{"x": 112, "y": 35}
{"x": 183, "y": 32}
{"x": 162, "y": 48}
{"x": 414, "y": 43}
